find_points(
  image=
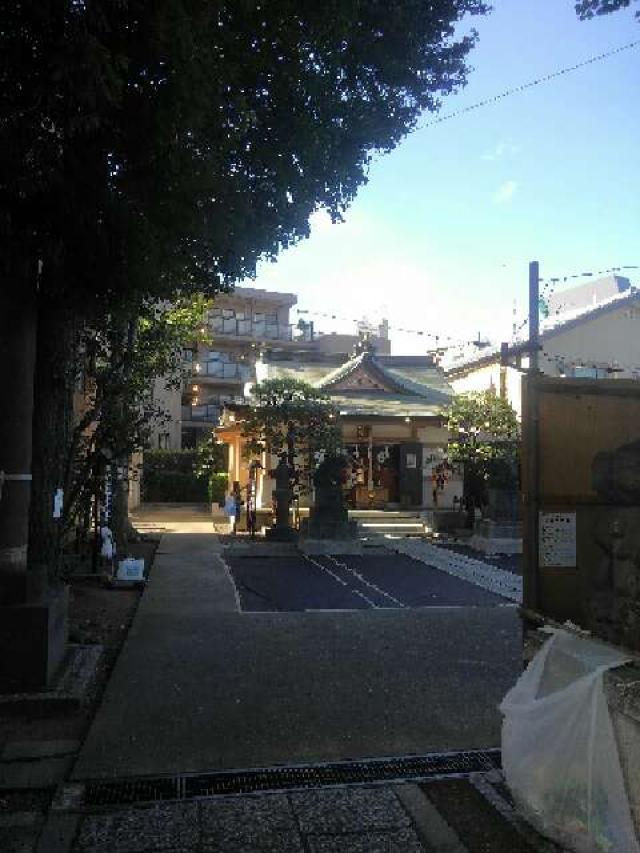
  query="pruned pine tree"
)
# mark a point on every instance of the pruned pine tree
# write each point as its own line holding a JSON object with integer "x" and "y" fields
{"x": 291, "y": 418}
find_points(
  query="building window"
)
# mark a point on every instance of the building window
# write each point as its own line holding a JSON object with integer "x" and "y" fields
{"x": 592, "y": 372}
{"x": 164, "y": 440}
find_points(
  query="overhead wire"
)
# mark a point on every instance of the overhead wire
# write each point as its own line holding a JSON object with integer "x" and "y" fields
{"x": 532, "y": 83}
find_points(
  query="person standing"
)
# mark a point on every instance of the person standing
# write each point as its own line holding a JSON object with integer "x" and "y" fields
{"x": 237, "y": 501}
{"x": 434, "y": 486}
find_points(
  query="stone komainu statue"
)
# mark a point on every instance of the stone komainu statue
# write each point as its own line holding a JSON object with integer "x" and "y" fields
{"x": 329, "y": 479}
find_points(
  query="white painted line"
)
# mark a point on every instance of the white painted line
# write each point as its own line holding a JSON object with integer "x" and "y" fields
{"x": 364, "y": 580}
{"x": 325, "y": 569}
{"x": 484, "y": 575}
{"x": 227, "y": 570}
{"x": 364, "y": 597}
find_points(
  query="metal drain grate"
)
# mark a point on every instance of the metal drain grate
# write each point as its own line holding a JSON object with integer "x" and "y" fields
{"x": 401, "y": 768}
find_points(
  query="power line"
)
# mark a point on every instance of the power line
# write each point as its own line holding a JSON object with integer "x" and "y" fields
{"x": 557, "y": 279}
{"x": 420, "y": 332}
{"x": 537, "y": 82}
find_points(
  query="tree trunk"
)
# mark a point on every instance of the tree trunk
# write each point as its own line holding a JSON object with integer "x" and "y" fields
{"x": 52, "y": 427}
{"x": 17, "y": 358}
{"x": 120, "y": 525}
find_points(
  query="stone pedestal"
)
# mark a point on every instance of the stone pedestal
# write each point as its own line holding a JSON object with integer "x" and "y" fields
{"x": 329, "y": 518}
{"x": 501, "y": 531}
{"x": 282, "y": 497}
{"x": 33, "y": 640}
{"x": 497, "y": 537}
{"x": 319, "y": 527}
{"x": 279, "y": 533}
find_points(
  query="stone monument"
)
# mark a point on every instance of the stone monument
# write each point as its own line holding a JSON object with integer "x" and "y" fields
{"x": 282, "y": 531}
{"x": 500, "y": 531}
{"x": 329, "y": 518}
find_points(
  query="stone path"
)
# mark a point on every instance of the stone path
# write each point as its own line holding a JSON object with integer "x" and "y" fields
{"x": 389, "y": 818}
{"x": 353, "y": 819}
{"x": 482, "y": 574}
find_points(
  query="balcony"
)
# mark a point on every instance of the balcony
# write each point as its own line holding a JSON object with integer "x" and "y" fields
{"x": 255, "y": 329}
{"x": 223, "y": 370}
{"x": 209, "y": 413}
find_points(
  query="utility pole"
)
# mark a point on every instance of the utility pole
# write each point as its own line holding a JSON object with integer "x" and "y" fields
{"x": 531, "y": 434}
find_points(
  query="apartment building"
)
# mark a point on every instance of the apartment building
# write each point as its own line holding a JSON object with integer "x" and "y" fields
{"x": 247, "y": 326}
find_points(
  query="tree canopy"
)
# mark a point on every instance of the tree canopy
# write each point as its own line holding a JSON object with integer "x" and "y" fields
{"x": 484, "y": 436}
{"x": 155, "y": 149}
{"x": 590, "y": 8}
{"x": 161, "y": 146}
{"x": 291, "y": 417}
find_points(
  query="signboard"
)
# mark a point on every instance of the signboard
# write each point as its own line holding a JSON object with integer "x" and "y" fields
{"x": 130, "y": 570}
{"x": 557, "y": 532}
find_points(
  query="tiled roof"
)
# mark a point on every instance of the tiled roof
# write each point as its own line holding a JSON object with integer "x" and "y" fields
{"x": 383, "y": 404}
{"x": 419, "y": 388}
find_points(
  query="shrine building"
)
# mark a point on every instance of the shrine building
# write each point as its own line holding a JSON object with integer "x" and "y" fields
{"x": 393, "y": 415}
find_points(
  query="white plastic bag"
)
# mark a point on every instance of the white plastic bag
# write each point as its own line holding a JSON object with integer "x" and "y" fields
{"x": 108, "y": 548}
{"x": 559, "y": 751}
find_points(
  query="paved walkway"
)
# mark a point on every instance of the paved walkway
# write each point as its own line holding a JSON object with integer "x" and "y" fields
{"x": 400, "y": 818}
{"x": 199, "y": 686}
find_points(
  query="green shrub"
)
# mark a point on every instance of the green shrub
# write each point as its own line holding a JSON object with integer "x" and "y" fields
{"x": 184, "y": 461}
{"x": 170, "y": 476}
{"x": 218, "y": 485}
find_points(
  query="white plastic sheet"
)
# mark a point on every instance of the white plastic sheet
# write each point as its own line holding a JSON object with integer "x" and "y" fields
{"x": 559, "y": 751}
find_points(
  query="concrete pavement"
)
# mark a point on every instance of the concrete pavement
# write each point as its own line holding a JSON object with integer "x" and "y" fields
{"x": 199, "y": 686}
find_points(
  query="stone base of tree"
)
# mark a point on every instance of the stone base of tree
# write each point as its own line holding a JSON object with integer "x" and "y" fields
{"x": 497, "y": 537}
{"x": 33, "y": 640}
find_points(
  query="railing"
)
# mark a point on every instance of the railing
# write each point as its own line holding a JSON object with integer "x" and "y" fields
{"x": 208, "y": 412}
{"x": 250, "y": 329}
{"x": 224, "y": 370}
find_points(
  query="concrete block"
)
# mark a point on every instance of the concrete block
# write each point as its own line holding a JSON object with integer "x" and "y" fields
{"x": 24, "y": 775}
{"x": 16, "y": 840}
{"x": 23, "y": 749}
{"x": 21, "y": 820}
{"x": 33, "y": 641}
{"x": 330, "y": 546}
{"x": 58, "y": 834}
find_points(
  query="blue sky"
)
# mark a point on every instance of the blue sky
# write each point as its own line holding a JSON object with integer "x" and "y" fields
{"x": 440, "y": 238}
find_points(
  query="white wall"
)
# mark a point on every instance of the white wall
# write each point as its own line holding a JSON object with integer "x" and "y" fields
{"x": 604, "y": 340}
{"x": 170, "y": 400}
{"x": 487, "y": 378}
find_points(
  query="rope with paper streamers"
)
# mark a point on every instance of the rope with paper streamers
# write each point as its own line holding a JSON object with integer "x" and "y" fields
{"x": 444, "y": 342}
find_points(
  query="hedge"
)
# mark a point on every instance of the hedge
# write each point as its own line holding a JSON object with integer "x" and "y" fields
{"x": 218, "y": 485}
{"x": 170, "y": 476}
